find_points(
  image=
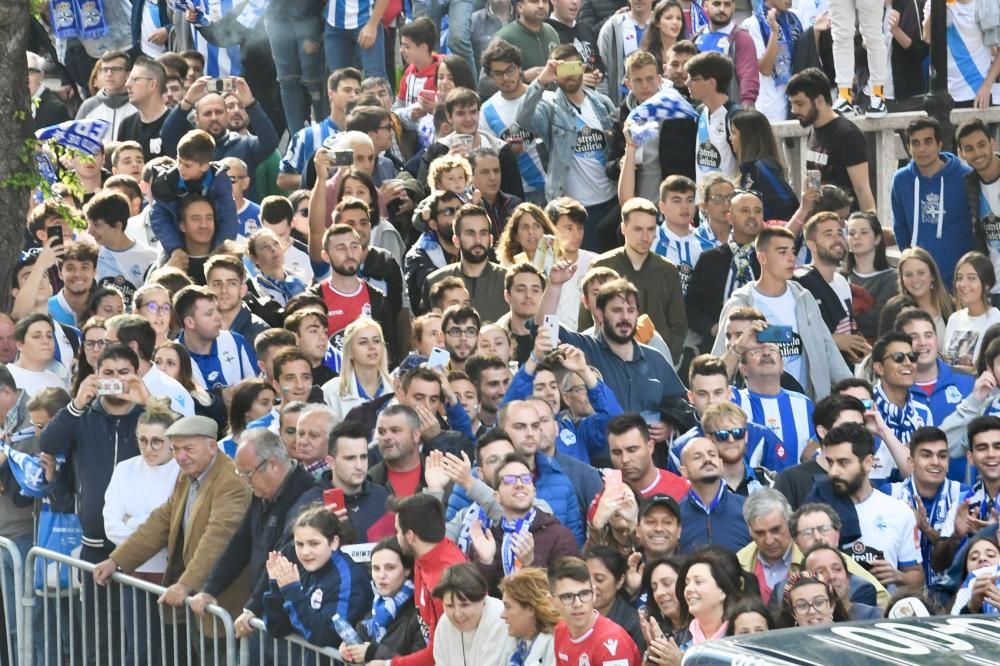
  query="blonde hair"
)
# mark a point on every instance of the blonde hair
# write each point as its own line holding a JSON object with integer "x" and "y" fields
{"x": 347, "y": 366}
{"x": 447, "y": 163}
{"x": 722, "y": 412}
{"x": 530, "y": 587}
{"x": 508, "y": 247}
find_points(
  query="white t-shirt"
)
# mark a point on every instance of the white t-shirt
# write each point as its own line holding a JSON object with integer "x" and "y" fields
{"x": 712, "y": 151}
{"x": 809, "y": 10}
{"x": 569, "y": 297}
{"x": 297, "y": 263}
{"x": 497, "y": 118}
{"x": 124, "y": 269}
{"x": 990, "y": 213}
{"x": 771, "y": 100}
{"x": 588, "y": 183}
{"x": 150, "y": 24}
{"x": 964, "y": 334}
{"x": 781, "y": 311}
{"x": 888, "y": 531}
{"x": 32, "y": 381}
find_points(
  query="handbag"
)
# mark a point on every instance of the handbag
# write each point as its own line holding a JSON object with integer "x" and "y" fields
{"x": 62, "y": 533}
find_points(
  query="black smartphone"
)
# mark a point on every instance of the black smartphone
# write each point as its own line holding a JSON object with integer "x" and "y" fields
{"x": 56, "y": 232}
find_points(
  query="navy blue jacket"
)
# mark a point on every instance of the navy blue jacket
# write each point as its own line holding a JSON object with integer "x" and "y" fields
{"x": 341, "y": 587}
{"x": 722, "y": 526}
{"x": 364, "y": 508}
{"x": 93, "y": 442}
{"x": 168, "y": 191}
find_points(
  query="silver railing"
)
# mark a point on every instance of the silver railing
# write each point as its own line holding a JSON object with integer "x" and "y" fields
{"x": 889, "y": 147}
{"x": 10, "y": 591}
{"x": 262, "y": 649}
{"x": 120, "y": 623}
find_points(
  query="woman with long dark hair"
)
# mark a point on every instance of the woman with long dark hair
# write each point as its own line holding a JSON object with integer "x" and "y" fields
{"x": 709, "y": 585}
{"x": 761, "y": 166}
{"x": 173, "y": 359}
{"x": 607, "y": 576}
{"x": 666, "y": 29}
{"x": 358, "y": 184}
{"x": 91, "y": 346}
{"x": 869, "y": 269}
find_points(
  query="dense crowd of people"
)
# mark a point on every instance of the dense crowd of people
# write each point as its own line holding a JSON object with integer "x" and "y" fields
{"x": 521, "y": 351}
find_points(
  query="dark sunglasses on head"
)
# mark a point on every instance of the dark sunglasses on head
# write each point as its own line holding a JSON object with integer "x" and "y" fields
{"x": 730, "y": 434}
{"x": 899, "y": 357}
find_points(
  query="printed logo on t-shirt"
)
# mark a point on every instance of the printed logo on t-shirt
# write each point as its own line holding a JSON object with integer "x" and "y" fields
{"x": 515, "y": 132}
{"x": 991, "y": 229}
{"x": 709, "y": 156}
{"x": 612, "y": 646}
{"x": 590, "y": 143}
{"x": 865, "y": 555}
{"x": 817, "y": 157}
{"x": 953, "y": 395}
{"x": 155, "y": 146}
{"x": 316, "y": 599}
{"x": 932, "y": 208}
{"x": 584, "y": 660}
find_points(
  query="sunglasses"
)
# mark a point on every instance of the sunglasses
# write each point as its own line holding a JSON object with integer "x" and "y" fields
{"x": 730, "y": 434}
{"x": 899, "y": 357}
{"x": 868, "y": 403}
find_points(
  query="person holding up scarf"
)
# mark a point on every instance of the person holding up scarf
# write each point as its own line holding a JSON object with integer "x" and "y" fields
{"x": 525, "y": 536}
{"x": 775, "y": 31}
{"x": 393, "y": 628}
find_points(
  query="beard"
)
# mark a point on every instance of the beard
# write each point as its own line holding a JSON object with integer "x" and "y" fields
{"x": 471, "y": 255}
{"x": 344, "y": 270}
{"x": 830, "y": 256}
{"x": 612, "y": 334}
{"x": 571, "y": 86}
{"x": 810, "y": 117}
{"x": 847, "y": 487}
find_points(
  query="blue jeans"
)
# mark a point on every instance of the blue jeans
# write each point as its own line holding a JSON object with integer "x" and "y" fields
{"x": 297, "y": 68}
{"x": 342, "y": 50}
{"x": 459, "y": 23}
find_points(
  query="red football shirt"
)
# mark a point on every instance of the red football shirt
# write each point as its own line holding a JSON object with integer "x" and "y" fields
{"x": 604, "y": 644}
{"x": 342, "y": 309}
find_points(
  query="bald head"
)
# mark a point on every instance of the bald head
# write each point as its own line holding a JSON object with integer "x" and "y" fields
{"x": 700, "y": 462}
{"x": 211, "y": 114}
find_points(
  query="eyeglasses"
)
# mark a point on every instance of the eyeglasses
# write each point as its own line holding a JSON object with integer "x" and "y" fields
{"x": 246, "y": 476}
{"x": 133, "y": 79}
{"x": 721, "y": 198}
{"x": 503, "y": 73}
{"x": 450, "y": 210}
{"x": 154, "y": 444}
{"x": 819, "y": 604}
{"x": 468, "y": 332}
{"x": 511, "y": 479}
{"x": 116, "y": 69}
{"x": 899, "y": 357}
{"x": 868, "y": 403}
{"x": 730, "y": 434}
{"x": 94, "y": 345}
{"x": 569, "y": 598}
{"x": 808, "y": 532}
{"x": 740, "y": 190}
{"x": 157, "y": 308}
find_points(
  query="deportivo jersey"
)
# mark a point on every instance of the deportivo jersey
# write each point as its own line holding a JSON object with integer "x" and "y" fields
{"x": 59, "y": 309}
{"x": 230, "y": 360}
{"x": 940, "y": 514}
{"x": 969, "y": 58}
{"x": 249, "y": 219}
{"x": 348, "y": 14}
{"x": 163, "y": 385}
{"x": 304, "y": 144}
{"x": 219, "y": 62}
{"x": 888, "y": 532}
{"x": 124, "y": 270}
{"x": 497, "y": 118}
{"x": 604, "y": 644}
{"x": 342, "y": 309}
{"x": 712, "y": 151}
{"x": 682, "y": 251}
{"x": 788, "y": 415}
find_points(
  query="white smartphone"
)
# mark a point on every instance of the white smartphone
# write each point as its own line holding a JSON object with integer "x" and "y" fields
{"x": 439, "y": 358}
{"x": 551, "y": 322}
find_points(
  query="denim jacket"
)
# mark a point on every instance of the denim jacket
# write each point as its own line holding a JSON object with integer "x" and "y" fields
{"x": 553, "y": 118}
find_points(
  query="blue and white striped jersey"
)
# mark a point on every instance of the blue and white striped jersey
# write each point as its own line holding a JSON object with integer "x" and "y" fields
{"x": 219, "y": 62}
{"x": 304, "y": 144}
{"x": 230, "y": 360}
{"x": 349, "y": 14}
{"x": 788, "y": 415}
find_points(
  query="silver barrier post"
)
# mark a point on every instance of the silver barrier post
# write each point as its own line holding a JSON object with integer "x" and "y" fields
{"x": 16, "y": 594}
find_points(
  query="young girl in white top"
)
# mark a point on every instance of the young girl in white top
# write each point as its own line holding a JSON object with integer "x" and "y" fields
{"x": 974, "y": 280}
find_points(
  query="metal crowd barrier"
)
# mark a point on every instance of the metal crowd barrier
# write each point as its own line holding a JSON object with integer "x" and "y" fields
{"x": 11, "y": 579}
{"x": 260, "y": 649}
{"x": 120, "y": 624}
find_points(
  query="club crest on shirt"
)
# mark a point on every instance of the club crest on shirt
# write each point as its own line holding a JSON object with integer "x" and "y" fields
{"x": 584, "y": 660}
{"x": 316, "y": 599}
{"x": 953, "y": 395}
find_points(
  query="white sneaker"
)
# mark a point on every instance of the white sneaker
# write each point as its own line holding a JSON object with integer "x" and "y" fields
{"x": 876, "y": 108}
{"x": 844, "y": 107}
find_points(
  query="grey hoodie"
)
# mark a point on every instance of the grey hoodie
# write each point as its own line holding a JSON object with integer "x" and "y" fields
{"x": 113, "y": 108}
{"x": 824, "y": 363}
